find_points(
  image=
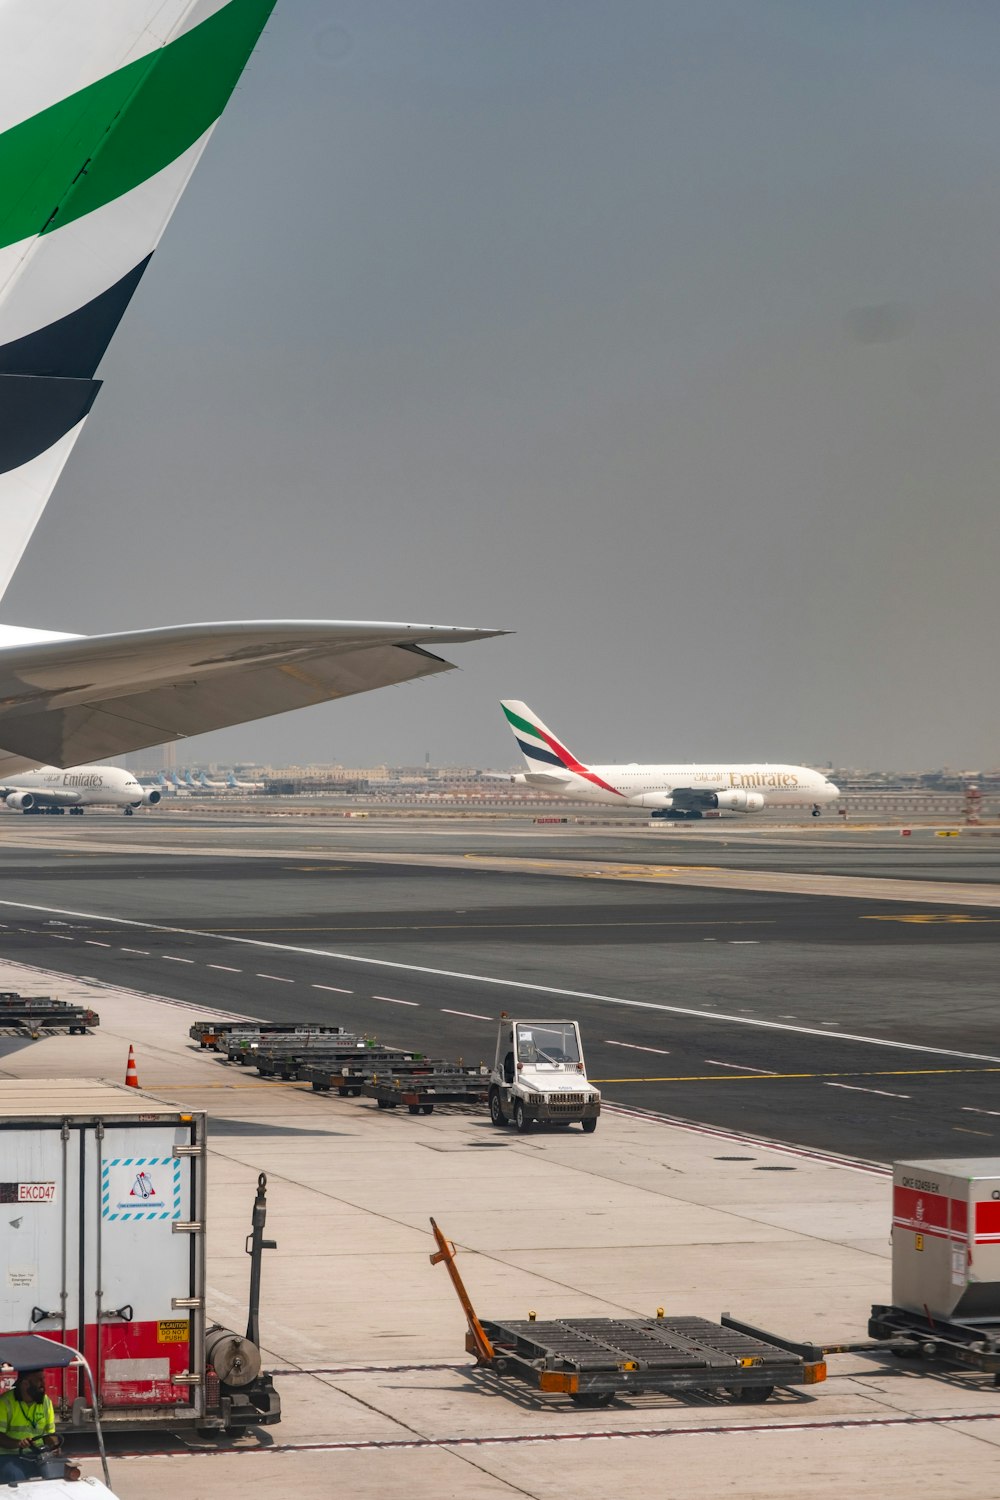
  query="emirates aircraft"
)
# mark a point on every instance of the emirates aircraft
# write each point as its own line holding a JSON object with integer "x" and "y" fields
{"x": 105, "y": 109}
{"x": 671, "y": 791}
{"x": 51, "y": 790}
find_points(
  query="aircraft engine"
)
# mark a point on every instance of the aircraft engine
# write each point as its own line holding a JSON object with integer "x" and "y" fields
{"x": 738, "y": 801}
{"x": 655, "y": 799}
{"x": 150, "y": 797}
{"x": 20, "y": 801}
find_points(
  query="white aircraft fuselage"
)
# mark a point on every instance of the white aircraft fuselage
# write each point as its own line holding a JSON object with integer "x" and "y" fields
{"x": 741, "y": 788}
{"x": 687, "y": 790}
{"x": 76, "y": 787}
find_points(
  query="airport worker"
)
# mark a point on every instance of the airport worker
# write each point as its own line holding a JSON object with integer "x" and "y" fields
{"x": 29, "y": 1446}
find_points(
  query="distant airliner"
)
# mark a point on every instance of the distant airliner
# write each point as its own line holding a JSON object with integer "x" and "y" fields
{"x": 673, "y": 791}
{"x": 51, "y": 790}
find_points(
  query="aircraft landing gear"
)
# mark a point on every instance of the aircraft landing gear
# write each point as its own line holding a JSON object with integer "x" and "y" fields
{"x": 129, "y": 812}
{"x": 817, "y": 811}
{"x": 77, "y": 811}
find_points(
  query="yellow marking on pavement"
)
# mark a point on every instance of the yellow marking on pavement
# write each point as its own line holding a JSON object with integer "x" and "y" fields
{"x": 964, "y": 1130}
{"x": 777, "y": 1077}
{"x": 927, "y": 916}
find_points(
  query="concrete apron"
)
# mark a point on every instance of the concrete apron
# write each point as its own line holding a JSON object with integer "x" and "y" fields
{"x": 368, "y": 1337}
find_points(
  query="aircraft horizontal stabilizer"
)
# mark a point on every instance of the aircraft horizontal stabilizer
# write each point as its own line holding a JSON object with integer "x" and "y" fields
{"x": 80, "y": 699}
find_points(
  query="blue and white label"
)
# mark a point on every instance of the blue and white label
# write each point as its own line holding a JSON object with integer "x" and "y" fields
{"x": 140, "y": 1188}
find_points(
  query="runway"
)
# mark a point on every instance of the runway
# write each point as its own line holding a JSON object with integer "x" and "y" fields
{"x": 856, "y": 1025}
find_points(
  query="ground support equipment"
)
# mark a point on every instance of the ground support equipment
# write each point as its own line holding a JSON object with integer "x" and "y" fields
{"x": 215, "y": 1034}
{"x": 345, "y": 1073}
{"x": 421, "y": 1085}
{"x": 906, "y": 1334}
{"x": 242, "y": 1046}
{"x": 593, "y": 1360}
{"x": 354, "y": 1057}
{"x": 34, "y": 1013}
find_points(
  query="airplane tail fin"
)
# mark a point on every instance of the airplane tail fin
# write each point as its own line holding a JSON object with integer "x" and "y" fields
{"x": 537, "y": 744}
{"x": 105, "y": 109}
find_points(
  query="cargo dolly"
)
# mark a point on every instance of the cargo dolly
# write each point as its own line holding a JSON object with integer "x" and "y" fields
{"x": 287, "y": 1057}
{"x": 214, "y": 1034}
{"x": 593, "y": 1360}
{"x": 345, "y": 1073}
{"x": 242, "y": 1046}
{"x": 421, "y": 1085}
{"x": 33, "y": 1013}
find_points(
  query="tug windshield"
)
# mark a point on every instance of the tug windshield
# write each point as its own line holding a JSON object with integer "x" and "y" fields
{"x": 552, "y": 1044}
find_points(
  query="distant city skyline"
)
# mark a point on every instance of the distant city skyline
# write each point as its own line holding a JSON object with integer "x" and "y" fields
{"x": 667, "y": 336}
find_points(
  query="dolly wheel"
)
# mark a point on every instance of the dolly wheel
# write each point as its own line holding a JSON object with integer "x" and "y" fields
{"x": 593, "y": 1398}
{"x": 426, "y": 1109}
{"x": 385, "y": 1104}
{"x": 496, "y": 1108}
{"x": 753, "y": 1393}
{"x": 589, "y": 1126}
{"x": 520, "y": 1118}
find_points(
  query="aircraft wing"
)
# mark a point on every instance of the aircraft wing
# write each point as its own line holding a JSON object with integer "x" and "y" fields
{"x": 80, "y": 699}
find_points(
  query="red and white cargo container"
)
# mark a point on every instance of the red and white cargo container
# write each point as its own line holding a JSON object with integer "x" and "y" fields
{"x": 946, "y": 1238}
{"x": 103, "y": 1206}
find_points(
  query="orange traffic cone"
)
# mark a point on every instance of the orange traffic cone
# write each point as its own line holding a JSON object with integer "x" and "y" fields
{"x": 131, "y": 1071}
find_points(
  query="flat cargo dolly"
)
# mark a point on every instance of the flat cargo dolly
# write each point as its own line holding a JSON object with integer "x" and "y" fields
{"x": 215, "y": 1033}
{"x": 242, "y": 1046}
{"x": 284, "y": 1056}
{"x": 974, "y": 1345}
{"x": 422, "y": 1085}
{"x": 33, "y": 1013}
{"x": 593, "y": 1360}
{"x": 346, "y": 1074}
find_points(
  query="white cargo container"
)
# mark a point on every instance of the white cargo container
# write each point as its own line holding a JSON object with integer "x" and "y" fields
{"x": 103, "y": 1197}
{"x": 946, "y": 1238}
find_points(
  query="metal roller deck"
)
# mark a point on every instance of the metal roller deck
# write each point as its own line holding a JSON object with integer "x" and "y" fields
{"x": 35, "y": 1013}
{"x": 421, "y": 1085}
{"x": 345, "y": 1073}
{"x": 593, "y": 1360}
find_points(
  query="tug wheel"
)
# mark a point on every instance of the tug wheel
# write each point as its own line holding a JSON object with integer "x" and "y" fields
{"x": 496, "y": 1108}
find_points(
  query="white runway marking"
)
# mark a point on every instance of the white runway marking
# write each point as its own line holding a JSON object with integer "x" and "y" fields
{"x": 333, "y": 988}
{"x": 634, "y": 1047}
{"x": 472, "y": 1014}
{"x": 393, "y": 1001}
{"x": 226, "y": 968}
{"x": 740, "y": 1067}
{"x": 970, "y": 1109}
{"x": 168, "y": 958}
{"x": 93, "y": 943}
{"x": 143, "y": 952}
{"x": 511, "y": 984}
{"x": 278, "y": 978}
{"x": 856, "y": 1088}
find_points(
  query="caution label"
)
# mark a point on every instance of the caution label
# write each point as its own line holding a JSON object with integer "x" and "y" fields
{"x": 173, "y": 1331}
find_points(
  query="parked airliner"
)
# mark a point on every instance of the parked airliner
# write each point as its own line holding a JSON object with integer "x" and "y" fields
{"x": 51, "y": 790}
{"x": 671, "y": 791}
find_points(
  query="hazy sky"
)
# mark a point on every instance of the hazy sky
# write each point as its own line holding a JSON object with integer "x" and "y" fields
{"x": 666, "y": 334}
